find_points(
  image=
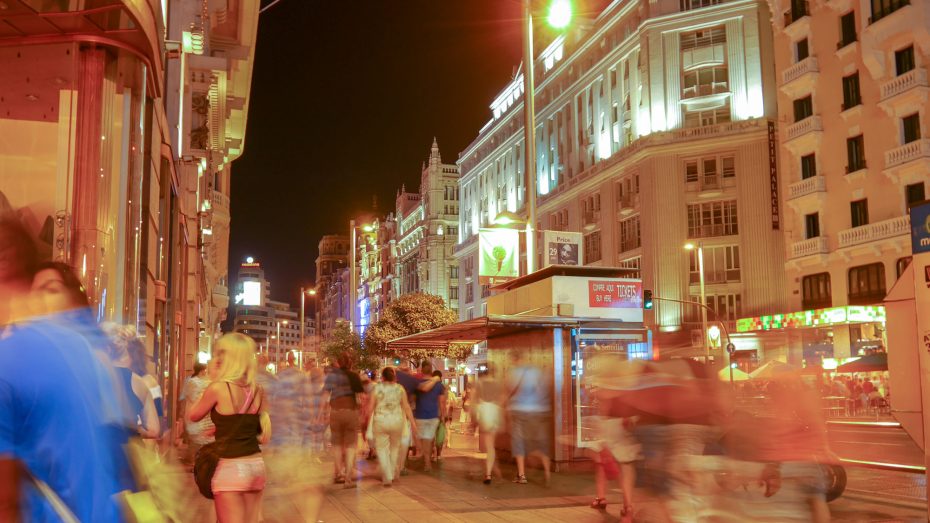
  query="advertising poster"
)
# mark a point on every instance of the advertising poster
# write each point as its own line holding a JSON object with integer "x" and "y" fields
{"x": 500, "y": 255}
{"x": 615, "y": 294}
{"x": 563, "y": 248}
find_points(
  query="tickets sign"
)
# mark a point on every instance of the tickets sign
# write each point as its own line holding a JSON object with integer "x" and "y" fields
{"x": 614, "y": 294}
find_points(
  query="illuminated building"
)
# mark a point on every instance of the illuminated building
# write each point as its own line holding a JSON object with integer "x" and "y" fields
{"x": 426, "y": 231}
{"x": 332, "y": 258}
{"x": 120, "y": 121}
{"x": 653, "y": 130}
{"x": 853, "y": 96}
{"x": 262, "y": 318}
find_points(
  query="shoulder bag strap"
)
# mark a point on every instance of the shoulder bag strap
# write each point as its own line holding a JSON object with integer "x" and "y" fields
{"x": 47, "y": 492}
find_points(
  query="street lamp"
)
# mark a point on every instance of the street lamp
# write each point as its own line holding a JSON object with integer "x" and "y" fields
{"x": 700, "y": 258}
{"x": 559, "y": 16}
{"x": 303, "y": 321}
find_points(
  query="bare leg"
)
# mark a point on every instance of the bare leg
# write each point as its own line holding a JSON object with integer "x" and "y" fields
{"x": 351, "y": 472}
{"x": 600, "y": 479}
{"x": 426, "y": 449}
{"x": 521, "y": 465}
{"x": 252, "y": 504}
{"x": 491, "y": 460}
{"x": 230, "y": 507}
{"x": 627, "y": 481}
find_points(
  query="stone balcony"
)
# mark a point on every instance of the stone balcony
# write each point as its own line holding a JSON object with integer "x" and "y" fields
{"x": 627, "y": 203}
{"x": 900, "y": 94}
{"x": 874, "y": 232}
{"x": 219, "y": 202}
{"x": 812, "y": 185}
{"x": 804, "y": 135}
{"x": 810, "y": 247}
{"x": 908, "y": 163}
{"x": 800, "y": 77}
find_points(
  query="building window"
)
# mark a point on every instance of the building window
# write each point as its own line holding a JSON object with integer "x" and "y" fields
{"x": 453, "y": 293}
{"x": 900, "y": 265}
{"x": 801, "y": 49}
{"x": 851, "y": 95}
{"x": 634, "y": 265}
{"x": 691, "y": 171}
{"x": 485, "y": 290}
{"x": 883, "y": 8}
{"x": 707, "y": 117}
{"x": 903, "y": 58}
{"x": 687, "y": 5}
{"x": 592, "y": 247}
{"x": 469, "y": 293}
{"x": 811, "y": 225}
{"x": 803, "y": 108}
{"x": 847, "y": 29}
{"x": 703, "y": 38}
{"x": 721, "y": 265}
{"x": 859, "y": 213}
{"x": 911, "y": 126}
{"x": 453, "y": 272}
{"x": 704, "y": 82}
{"x": 866, "y": 284}
{"x": 726, "y": 307}
{"x": 728, "y": 164}
{"x": 855, "y": 154}
{"x": 914, "y": 194}
{"x": 630, "y": 234}
{"x": 710, "y": 219}
{"x": 815, "y": 291}
{"x": 808, "y": 166}
{"x": 706, "y": 170}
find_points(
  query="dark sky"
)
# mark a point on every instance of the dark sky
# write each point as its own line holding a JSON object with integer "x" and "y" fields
{"x": 346, "y": 98}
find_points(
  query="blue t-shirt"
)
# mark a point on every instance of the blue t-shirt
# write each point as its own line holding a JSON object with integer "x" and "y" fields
{"x": 428, "y": 402}
{"x": 51, "y": 419}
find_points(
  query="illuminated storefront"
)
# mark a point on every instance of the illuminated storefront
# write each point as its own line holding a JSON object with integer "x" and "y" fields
{"x": 812, "y": 336}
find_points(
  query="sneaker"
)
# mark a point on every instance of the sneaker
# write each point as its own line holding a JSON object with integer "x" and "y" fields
{"x": 520, "y": 480}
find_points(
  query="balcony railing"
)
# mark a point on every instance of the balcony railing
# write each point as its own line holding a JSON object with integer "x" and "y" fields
{"x": 809, "y": 186}
{"x": 899, "y": 84}
{"x": 628, "y": 244}
{"x": 704, "y": 90}
{"x": 807, "y": 125}
{"x": 875, "y": 231}
{"x": 810, "y": 247}
{"x": 907, "y": 153}
{"x": 807, "y": 65}
{"x": 710, "y": 182}
{"x": 219, "y": 201}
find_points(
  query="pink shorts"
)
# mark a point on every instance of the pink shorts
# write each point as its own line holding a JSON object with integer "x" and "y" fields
{"x": 239, "y": 474}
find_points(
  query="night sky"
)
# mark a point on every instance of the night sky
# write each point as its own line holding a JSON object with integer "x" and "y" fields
{"x": 346, "y": 98}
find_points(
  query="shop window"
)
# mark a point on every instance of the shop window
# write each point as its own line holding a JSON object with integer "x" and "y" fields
{"x": 866, "y": 284}
{"x": 816, "y": 292}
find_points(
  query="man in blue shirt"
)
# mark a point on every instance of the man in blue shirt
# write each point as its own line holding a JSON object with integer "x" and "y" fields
{"x": 52, "y": 426}
{"x": 343, "y": 387}
{"x": 430, "y": 408}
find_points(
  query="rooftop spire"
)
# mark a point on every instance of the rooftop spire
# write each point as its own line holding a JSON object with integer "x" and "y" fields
{"x": 434, "y": 158}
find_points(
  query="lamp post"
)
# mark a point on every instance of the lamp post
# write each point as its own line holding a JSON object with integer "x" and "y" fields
{"x": 303, "y": 321}
{"x": 700, "y": 260}
{"x": 559, "y": 16}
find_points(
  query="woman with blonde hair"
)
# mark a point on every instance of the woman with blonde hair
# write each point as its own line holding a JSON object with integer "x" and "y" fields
{"x": 237, "y": 406}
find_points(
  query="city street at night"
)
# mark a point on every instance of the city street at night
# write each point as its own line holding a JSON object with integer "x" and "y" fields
{"x": 292, "y": 261}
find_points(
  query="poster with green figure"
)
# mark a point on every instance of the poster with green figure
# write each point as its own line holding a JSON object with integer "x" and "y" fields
{"x": 499, "y": 255}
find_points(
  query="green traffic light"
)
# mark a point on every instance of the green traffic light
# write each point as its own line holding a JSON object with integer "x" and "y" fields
{"x": 560, "y": 14}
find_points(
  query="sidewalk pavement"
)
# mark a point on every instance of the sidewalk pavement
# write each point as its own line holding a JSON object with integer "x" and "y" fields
{"x": 454, "y": 492}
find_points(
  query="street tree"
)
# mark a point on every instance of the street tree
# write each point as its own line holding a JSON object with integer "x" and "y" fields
{"x": 346, "y": 341}
{"x": 411, "y": 314}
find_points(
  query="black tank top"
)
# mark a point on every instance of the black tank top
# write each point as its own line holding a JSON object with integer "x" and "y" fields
{"x": 239, "y": 431}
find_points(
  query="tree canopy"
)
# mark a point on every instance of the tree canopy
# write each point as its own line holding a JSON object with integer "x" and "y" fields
{"x": 410, "y": 314}
{"x": 345, "y": 341}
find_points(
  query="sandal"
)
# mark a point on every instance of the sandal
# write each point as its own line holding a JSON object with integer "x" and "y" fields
{"x": 626, "y": 515}
{"x": 487, "y": 480}
{"x": 599, "y": 503}
{"x": 521, "y": 480}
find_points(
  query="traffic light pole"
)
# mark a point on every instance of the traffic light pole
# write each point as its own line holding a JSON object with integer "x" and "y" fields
{"x": 730, "y": 346}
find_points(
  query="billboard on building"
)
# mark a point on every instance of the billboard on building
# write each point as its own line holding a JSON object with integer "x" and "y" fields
{"x": 252, "y": 293}
{"x": 500, "y": 255}
{"x": 563, "y": 248}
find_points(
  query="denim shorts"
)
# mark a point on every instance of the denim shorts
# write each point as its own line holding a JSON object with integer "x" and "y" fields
{"x": 529, "y": 432}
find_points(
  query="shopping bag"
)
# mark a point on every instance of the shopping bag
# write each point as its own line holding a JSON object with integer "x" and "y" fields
{"x": 441, "y": 434}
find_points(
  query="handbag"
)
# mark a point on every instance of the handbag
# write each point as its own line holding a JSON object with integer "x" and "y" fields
{"x": 441, "y": 434}
{"x": 208, "y": 457}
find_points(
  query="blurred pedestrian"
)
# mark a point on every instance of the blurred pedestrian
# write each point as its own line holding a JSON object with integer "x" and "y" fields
{"x": 343, "y": 387}
{"x": 391, "y": 418}
{"x": 530, "y": 404}
{"x": 364, "y": 413}
{"x": 490, "y": 416}
{"x": 238, "y": 407}
{"x": 124, "y": 344}
{"x": 430, "y": 409}
{"x": 199, "y": 433}
{"x": 617, "y": 451}
{"x": 54, "y": 441}
{"x": 319, "y": 411}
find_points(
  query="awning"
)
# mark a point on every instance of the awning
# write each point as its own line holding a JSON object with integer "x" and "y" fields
{"x": 869, "y": 363}
{"x": 480, "y": 329}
